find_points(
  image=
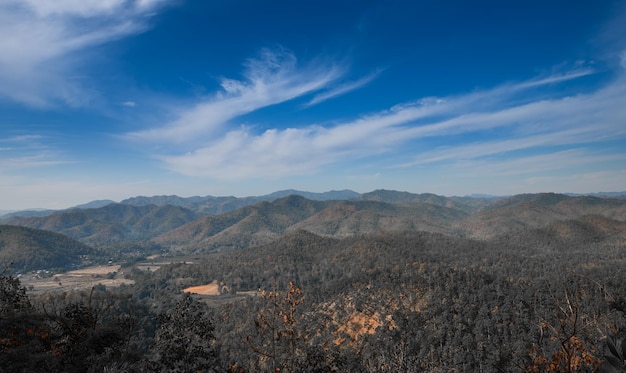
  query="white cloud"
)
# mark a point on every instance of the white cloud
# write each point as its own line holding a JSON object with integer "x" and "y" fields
{"x": 38, "y": 66}
{"x": 570, "y": 120}
{"x": 84, "y": 8}
{"x": 436, "y": 117}
{"x": 39, "y": 160}
{"x": 28, "y": 151}
{"x": 129, "y": 103}
{"x": 22, "y": 138}
{"x": 273, "y": 78}
{"x": 574, "y": 159}
{"x": 242, "y": 155}
{"x": 514, "y": 117}
{"x": 342, "y": 89}
{"x": 558, "y": 78}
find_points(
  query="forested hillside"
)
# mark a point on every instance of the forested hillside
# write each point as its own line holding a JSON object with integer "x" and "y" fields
{"x": 179, "y": 229}
{"x": 27, "y": 249}
{"x": 245, "y": 227}
{"x": 536, "y": 211}
{"x": 111, "y": 223}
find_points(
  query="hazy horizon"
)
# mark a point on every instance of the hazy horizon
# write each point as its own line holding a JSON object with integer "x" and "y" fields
{"x": 476, "y": 195}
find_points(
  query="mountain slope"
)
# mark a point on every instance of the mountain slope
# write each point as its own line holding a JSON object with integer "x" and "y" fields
{"x": 30, "y": 249}
{"x": 532, "y": 211}
{"x": 267, "y": 221}
{"x": 114, "y": 222}
{"x": 241, "y": 228}
{"x": 348, "y": 218}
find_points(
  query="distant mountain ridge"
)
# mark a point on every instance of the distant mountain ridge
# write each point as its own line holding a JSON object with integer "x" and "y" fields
{"x": 202, "y": 205}
{"x": 599, "y": 194}
{"x": 218, "y": 205}
{"x": 93, "y": 204}
{"x": 111, "y": 223}
{"x": 27, "y": 213}
{"x": 156, "y": 221}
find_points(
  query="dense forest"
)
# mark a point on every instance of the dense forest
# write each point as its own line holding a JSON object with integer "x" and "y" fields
{"x": 388, "y": 302}
{"x": 541, "y": 296}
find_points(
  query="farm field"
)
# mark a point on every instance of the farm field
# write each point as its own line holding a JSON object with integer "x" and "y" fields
{"x": 84, "y": 278}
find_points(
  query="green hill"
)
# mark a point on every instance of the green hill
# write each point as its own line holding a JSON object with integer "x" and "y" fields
{"x": 252, "y": 225}
{"x": 111, "y": 223}
{"x": 533, "y": 211}
{"x": 26, "y": 249}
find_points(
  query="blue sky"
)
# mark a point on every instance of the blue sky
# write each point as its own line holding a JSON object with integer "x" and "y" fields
{"x": 108, "y": 99}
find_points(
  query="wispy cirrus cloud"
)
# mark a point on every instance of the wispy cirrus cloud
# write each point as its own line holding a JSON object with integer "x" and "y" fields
{"x": 534, "y": 165}
{"x": 272, "y": 78}
{"x": 570, "y": 120}
{"x": 40, "y": 160}
{"x": 28, "y": 151}
{"x": 342, "y": 89}
{"x": 516, "y": 117}
{"x": 89, "y": 8}
{"x": 38, "y": 62}
{"x": 445, "y": 116}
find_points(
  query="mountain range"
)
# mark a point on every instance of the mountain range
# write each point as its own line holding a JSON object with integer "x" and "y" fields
{"x": 203, "y": 205}
{"x": 185, "y": 225}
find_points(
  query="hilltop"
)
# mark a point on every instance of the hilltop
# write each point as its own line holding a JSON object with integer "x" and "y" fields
{"x": 26, "y": 249}
{"x": 111, "y": 223}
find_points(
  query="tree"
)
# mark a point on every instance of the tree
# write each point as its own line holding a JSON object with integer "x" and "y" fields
{"x": 185, "y": 340}
{"x": 279, "y": 342}
{"x": 25, "y": 338}
{"x": 570, "y": 352}
{"x": 13, "y": 296}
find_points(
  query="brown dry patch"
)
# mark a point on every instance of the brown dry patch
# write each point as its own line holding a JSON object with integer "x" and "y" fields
{"x": 349, "y": 321}
{"x": 358, "y": 325}
{"x": 591, "y": 265}
{"x": 210, "y": 289}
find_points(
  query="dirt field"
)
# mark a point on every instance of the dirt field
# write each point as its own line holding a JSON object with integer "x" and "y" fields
{"x": 210, "y": 289}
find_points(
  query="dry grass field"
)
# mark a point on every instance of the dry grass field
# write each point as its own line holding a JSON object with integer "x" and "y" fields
{"x": 210, "y": 289}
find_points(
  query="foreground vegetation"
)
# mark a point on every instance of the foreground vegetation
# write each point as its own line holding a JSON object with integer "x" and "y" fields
{"x": 389, "y": 302}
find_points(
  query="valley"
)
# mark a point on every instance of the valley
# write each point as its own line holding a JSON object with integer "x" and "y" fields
{"x": 80, "y": 279}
